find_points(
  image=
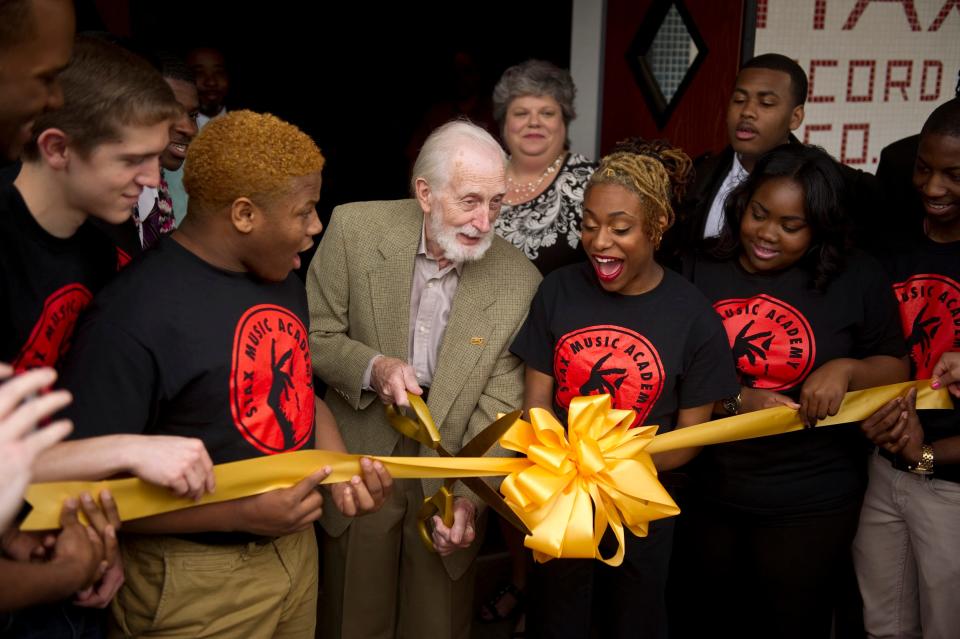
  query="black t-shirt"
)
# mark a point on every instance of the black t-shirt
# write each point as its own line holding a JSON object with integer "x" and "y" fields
{"x": 175, "y": 346}
{"x": 125, "y": 236}
{"x": 45, "y": 282}
{"x": 654, "y": 353}
{"x": 781, "y": 330}
{"x": 926, "y": 276}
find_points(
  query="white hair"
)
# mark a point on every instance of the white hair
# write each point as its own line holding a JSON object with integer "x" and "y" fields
{"x": 435, "y": 159}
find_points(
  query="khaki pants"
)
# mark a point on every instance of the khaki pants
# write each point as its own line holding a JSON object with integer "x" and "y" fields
{"x": 177, "y": 588}
{"x": 906, "y": 555}
{"x": 380, "y": 581}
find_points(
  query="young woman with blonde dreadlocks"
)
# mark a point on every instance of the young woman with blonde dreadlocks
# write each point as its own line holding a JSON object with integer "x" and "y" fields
{"x": 620, "y": 324}
{"x": 808, "y": 320}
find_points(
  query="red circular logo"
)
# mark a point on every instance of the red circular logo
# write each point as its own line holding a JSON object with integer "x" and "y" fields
{"x": 52, "y": 334}
{"x": 609, "y": 360}
{"x": 772, "y": 343}
{"x": 930, "y": 316}
{"x": 271, "y": 382}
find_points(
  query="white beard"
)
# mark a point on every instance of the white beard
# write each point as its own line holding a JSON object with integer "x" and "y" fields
{"x": 446, "y": 238}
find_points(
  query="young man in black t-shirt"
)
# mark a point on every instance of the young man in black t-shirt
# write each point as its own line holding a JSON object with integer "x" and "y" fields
{"x": 52, "y": 261}
{"x": 205, "y": 336}
{"x": 905, "y": 549}
{"x": 88, "y": 159}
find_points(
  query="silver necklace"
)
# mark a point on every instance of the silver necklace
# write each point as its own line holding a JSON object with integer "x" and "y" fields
{"x": 526, "y": 190}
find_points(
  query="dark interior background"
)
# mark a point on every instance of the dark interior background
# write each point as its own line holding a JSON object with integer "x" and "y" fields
{"x": 364, "y": 81}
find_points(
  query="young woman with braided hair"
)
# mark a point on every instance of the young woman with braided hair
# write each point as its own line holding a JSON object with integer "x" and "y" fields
{"x": 620, "y": 324}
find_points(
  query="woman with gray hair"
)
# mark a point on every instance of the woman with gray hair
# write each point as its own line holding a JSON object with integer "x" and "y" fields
{"x": 533, "y": 105}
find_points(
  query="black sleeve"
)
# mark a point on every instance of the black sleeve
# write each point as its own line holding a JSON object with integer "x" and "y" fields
{"x": 112, "y": 377}
{"x": 535, "y": 341}
{"x": 880, "y": 332}
{"x": 709, "y": 374}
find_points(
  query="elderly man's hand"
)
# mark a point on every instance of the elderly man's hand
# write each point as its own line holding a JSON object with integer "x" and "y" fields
{"x": 392, "y": 379}
{"x": 463, "y": 531}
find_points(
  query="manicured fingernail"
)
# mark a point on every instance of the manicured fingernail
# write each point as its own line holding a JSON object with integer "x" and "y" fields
{"x": 935, "y": 384}
{"x": 87, "y": 499}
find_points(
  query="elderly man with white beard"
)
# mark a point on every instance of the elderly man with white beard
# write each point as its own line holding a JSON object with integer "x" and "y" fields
{"x": 416, "y": 296}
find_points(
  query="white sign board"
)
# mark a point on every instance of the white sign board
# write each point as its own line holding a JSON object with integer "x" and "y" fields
{"x": 876, "y": 68}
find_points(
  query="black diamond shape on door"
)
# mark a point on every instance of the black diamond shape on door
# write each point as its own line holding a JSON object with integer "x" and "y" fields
{"x": 664, "y": 55}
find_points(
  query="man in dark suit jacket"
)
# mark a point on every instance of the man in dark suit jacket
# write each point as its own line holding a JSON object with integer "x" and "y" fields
{"x": 766, "y": 106}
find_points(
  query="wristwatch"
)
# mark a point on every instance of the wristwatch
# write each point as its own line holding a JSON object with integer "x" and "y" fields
{"x": 732, "y": 405}
{"x": 925, "y": 465}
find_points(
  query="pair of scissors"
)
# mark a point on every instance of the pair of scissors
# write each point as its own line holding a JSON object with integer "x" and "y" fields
{"x": 440, "y": 503}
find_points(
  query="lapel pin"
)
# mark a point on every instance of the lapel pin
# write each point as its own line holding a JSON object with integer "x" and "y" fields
{"x": 476, "y": 341}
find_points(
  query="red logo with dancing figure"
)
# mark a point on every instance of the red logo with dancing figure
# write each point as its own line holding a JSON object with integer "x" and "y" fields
{"x": 609, "y": 360}
{"x": 52, "y": 334}
{"x": 930, "y": 317}
{"x": 271, "y": 382}
{"x": 772, "y": 343}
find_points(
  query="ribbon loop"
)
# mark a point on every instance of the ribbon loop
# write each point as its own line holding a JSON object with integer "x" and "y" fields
{"x": 441, "y": 503}
{"x": 580, "y": 484}
{"x": 422, "y": 430}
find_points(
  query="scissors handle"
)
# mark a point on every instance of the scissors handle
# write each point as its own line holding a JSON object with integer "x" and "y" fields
{"x": 440, "y": 503}
{"x": 422, "y": 430}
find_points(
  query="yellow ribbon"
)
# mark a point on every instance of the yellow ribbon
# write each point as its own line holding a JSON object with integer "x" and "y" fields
{"x": 568, "y": 489}
{"x": 856, "y": 407}
{"x": 600, "y": 473}
{"x": 136, "y": 498}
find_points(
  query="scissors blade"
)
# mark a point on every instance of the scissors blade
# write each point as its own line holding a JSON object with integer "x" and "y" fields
{"x": 495, "y": 501}
{"x": 489, "y": 436}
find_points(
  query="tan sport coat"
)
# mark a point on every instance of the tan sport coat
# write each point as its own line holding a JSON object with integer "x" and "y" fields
{"x": 358, "y": 288}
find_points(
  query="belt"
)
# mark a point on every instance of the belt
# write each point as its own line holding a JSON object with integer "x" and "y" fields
{"x": 898, "y": 463}
{"x": 886, "y": 454}
{"x": 225, "y": 538}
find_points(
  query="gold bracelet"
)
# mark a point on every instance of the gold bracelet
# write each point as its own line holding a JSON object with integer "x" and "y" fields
{"x": 925, "y": 465}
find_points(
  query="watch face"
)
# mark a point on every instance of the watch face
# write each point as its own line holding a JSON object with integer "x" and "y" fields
{"x": 731, "y": 405}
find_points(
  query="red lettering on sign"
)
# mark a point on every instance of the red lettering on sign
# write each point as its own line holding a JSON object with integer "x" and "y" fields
{"x": 813, "y": 78}
{"x": 927, "y": 65}
{"x": 903, "y": 83}
{"x": 761, "y": 14}
{"x": 908, "y": 9}
{"x": 846, "y": 159}
{"x": 851, "y": 76}
{"x": 812, "y": 128}
{"x": 942, "y": 15}
{"x": 819, "y": 14}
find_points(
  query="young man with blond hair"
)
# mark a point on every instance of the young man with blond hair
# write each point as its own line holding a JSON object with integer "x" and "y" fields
{"x": 205, "y": 336}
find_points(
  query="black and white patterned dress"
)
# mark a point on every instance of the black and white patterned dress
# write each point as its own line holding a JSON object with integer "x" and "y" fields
{"x": 547, "y": 228}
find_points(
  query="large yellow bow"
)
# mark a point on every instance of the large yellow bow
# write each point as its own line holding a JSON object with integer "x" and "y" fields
{"x": 576, "y": 485}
